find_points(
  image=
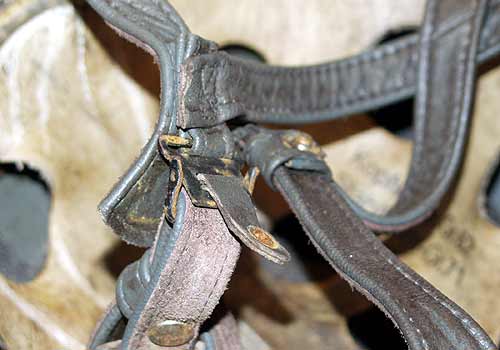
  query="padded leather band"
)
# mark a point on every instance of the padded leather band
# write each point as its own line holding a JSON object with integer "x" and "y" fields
{"x": 378, "y": 77}
{"x": 426, "y": 318}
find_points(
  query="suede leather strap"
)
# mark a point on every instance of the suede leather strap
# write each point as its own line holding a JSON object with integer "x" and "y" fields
{"x": 187, "y": 272}
{"x": 192, "y": 272}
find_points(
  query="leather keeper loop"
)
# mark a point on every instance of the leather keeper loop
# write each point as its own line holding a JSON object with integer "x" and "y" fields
{"x": 269, "y": 149}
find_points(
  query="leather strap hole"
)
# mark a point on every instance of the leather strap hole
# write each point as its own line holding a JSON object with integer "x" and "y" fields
{"x": 24, "y": 213}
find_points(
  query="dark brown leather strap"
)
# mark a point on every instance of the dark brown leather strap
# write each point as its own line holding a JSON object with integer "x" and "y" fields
{"x": 426, "y": 318}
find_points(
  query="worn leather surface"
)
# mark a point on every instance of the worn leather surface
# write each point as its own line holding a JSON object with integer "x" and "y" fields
{"x": 156, "y": 27}
{"x": 238, "y": 210}
{"x": 445, "y": 89}
{"x": 213, "y": 80}
{"x": 203, "y": 97}
{"x": 425, "y": 317}
{"x": 191, "y": 274}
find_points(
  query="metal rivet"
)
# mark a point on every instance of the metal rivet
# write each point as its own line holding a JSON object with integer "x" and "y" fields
{"x": 171, "y": 333}
{"x": 263, "y": 237}
{"x": 302, "y": 142}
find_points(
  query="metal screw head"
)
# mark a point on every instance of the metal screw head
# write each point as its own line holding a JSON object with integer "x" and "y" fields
{"x": 171, "y": 333}
{"x": 263, "y": 237}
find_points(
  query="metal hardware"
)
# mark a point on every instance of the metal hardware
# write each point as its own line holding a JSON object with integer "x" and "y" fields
{"x": 301, "y": 141}
{"x": 171, "y": 333}
{"x": 184, "y": 169}
{"x": 250, "y": 178}
{"x": 263, "y": 237}
{"x": 176, "y": 141}
{"x": 236, "y": 206}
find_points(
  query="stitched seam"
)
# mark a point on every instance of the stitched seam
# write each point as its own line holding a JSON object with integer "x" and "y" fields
{"x": 374, "y": 56}
{"x": 370, "y": 57}
{"x": 350, "y": 99}
{"x": 472, "y": 330}
{"x": 353, "y": 221}
{"x": 458, "y": 95}
{"x": 424, "y": 342}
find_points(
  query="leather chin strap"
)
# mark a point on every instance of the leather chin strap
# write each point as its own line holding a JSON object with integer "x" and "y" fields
{"x": 183, "y": 276}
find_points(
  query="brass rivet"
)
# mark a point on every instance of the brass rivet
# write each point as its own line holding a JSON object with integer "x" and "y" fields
{"x": 263, "y": 237}
{"x": 171, "y": 333}
{"x": 301, "y": 141}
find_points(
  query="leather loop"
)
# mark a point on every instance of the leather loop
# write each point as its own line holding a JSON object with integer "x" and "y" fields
{"x": 269, "y": 149}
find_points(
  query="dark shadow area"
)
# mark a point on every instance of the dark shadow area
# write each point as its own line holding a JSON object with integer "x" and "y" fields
{"x": 25, "y": 201}
{"x": 247, "y": 289}
{"x": 306, "y": 264}
{"x": 491, "y": 193}
{"x": 121, "y": 256}
{"x": 244, "y": 52}
{"x": 374, "y": 331}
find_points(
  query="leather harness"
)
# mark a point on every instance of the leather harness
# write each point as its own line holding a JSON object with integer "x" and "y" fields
{"x": 187, "y": 202}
